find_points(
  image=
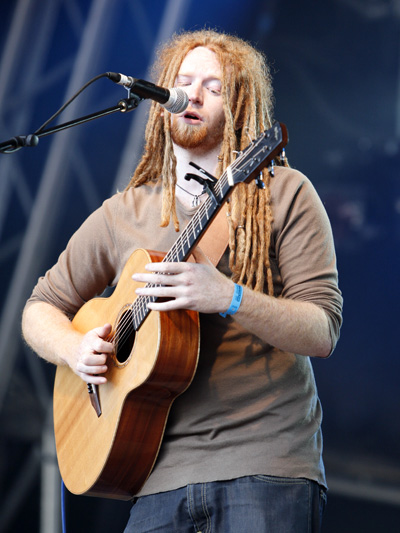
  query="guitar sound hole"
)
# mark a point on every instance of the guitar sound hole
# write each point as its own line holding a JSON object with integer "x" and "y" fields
{"x": 125, "y": 337}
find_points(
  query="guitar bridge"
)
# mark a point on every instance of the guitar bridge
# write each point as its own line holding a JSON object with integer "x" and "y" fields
{"x": 94, "y": 398}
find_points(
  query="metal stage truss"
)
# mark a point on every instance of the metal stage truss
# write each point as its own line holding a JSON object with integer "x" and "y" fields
{"x": 28, "y": 80}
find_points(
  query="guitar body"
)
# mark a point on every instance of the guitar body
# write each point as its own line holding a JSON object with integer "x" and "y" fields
{"x": 112, "y": 455}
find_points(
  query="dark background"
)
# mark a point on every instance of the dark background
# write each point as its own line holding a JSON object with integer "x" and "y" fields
{"x": 337, "y": 85}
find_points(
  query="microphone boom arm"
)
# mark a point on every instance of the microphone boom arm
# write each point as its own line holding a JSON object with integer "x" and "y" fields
{"x": 16, "y": 143}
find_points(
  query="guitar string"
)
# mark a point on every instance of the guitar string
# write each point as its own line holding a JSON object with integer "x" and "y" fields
{"x": 139, "y": 306}
{"x": 138, "y": 309}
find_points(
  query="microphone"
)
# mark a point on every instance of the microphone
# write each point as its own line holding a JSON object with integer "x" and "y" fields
{"x": 174, "y": 100}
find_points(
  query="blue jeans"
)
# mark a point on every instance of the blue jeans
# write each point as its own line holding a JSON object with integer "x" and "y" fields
{"x": 253, "y": 504}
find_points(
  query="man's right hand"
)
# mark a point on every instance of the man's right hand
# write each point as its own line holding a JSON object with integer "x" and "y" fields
{"x": 91, "y": 356}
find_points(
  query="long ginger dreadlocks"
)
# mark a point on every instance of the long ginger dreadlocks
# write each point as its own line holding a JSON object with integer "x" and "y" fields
{"x": 248, "y": 101}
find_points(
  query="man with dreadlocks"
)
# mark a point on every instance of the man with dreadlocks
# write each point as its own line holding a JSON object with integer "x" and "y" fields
{"x": 242, "y": 446}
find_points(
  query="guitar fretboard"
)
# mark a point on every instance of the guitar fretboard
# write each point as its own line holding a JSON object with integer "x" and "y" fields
{"x": 247, "y": 165}
{"x": 185, "y": 243}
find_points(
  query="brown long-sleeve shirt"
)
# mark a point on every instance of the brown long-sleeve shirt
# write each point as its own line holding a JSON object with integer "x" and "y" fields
{"x": 251, "y": 408}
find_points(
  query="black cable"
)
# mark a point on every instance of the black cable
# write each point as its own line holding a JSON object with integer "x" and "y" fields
{"x": 42, "y": 127}
{"x": 63, "y": 512}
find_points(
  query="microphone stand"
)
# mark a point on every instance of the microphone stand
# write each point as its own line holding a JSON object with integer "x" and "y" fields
{"x": 16, "y": 143}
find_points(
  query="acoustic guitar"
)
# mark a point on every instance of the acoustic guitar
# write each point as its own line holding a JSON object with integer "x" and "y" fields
{"x": 108, "y": 440}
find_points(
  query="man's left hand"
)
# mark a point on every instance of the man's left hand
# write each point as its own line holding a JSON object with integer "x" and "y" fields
{"x": 198, "y": 286}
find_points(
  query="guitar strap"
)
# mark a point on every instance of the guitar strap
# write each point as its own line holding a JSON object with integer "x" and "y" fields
{"x": 215, "y": 240}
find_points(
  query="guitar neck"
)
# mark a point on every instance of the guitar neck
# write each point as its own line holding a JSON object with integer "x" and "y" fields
{"x": 200, "y": 221}
{"x": 247, "y": 166}
{"x": 185, "y": 243}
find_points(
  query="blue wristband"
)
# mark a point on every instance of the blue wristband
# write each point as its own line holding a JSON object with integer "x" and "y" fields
{"x": 236, "y": 301}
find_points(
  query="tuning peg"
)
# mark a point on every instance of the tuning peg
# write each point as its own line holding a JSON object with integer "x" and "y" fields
{"x": 282, "y": 155}
{"x": 271, "y": 169}
{"x": 260, "y": 182}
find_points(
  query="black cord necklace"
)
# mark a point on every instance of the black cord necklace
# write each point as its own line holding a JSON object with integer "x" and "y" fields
{"x": 196, "y": 197}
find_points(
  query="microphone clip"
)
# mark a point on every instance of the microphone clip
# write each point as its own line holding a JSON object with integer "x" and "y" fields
{"x": 129, "y": 103}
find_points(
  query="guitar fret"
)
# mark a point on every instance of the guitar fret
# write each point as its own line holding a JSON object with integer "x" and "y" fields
{"x": 183, "y": 248}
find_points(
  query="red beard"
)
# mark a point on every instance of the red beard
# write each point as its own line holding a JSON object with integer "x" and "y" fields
{"x": 191, "y": 136}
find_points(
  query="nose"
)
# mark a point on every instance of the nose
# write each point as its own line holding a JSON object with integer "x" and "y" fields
{"x": 195, "y": 94}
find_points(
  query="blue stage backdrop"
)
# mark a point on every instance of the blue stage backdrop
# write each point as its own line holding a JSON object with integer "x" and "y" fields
{"x": 336, "y": 75}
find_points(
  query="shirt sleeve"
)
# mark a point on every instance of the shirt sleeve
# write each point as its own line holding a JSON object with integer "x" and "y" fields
{"x": 304, "y": 247}
{"x": 85, "y": 268}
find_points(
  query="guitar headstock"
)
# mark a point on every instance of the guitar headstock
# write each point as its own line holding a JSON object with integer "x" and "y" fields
{"x": 258, "y": 154}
